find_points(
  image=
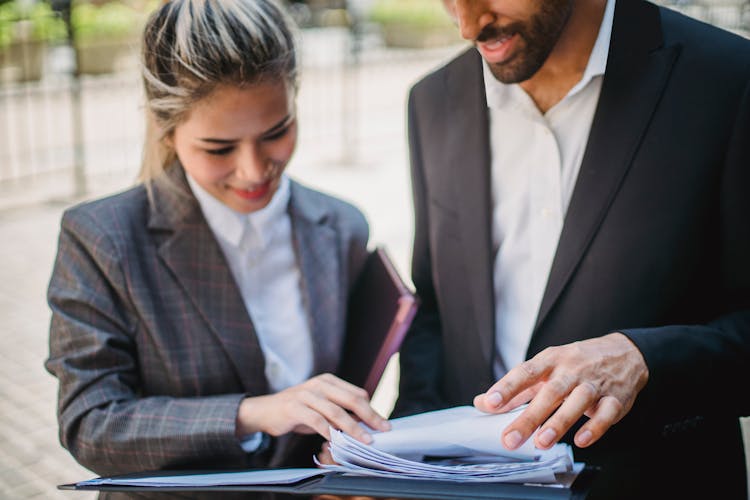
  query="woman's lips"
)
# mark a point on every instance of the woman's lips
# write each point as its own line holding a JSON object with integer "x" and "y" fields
{"x": 498, "y": 50}
{"x": 256, "y": 193}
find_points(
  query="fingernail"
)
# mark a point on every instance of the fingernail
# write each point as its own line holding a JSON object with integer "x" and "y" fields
{"x": 512, "y": 440}
{"x": 584, "y": 438}
{"x": 385, "y": 425}
{"x": 547, "y": 437}
{"x": 494, "y": 399}
{"x": 366, "y": 438}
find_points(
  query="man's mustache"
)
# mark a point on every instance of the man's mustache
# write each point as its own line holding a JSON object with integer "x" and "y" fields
{"x": 491, "y": 31}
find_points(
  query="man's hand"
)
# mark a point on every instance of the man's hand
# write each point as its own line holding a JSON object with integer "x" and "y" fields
{"x": 599, "y": 378}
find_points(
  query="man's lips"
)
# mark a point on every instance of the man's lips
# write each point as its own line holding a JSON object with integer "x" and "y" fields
{"x": 498, "y": 49}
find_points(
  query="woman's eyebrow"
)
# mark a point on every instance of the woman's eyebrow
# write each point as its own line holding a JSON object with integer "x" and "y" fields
{"x": 281, "y": 124}
{"x": 217, "y": 141}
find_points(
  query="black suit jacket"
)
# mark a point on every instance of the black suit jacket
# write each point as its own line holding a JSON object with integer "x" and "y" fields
{"x": 657, "y": 233}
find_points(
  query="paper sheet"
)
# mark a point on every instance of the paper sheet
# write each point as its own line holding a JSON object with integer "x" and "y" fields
{"x": 468, "y": 438}
{"x": 239, "y": 478}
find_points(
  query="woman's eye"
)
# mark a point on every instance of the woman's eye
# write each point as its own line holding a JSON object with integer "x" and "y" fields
{"x": 277, "y": 135}
{"x": 220, "y": 152}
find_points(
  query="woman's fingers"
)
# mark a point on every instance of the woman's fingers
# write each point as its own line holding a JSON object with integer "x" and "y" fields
{"x": 351, "y": 398}
{"x": 315, "y": 405}
{"x": 336, "y": 416}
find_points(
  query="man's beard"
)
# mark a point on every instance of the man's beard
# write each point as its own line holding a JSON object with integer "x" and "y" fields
{"x": 539, "y": 36}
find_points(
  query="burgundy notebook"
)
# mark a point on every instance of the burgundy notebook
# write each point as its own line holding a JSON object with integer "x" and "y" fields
{"x": 381, "y": 309}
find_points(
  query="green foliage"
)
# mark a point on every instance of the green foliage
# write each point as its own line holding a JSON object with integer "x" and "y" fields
{"x": 110, "y": 20}
{"x": 20, "y": 21}
{"x": 418, "y": 13}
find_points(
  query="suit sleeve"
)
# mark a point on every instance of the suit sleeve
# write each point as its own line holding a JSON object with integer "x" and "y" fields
{"x": 104, "y": 421}
{"x": 696, "y": 369}
{"x": 421, "y": 355}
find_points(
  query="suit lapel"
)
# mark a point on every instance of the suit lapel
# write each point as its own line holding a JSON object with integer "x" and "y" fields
{"x": 638, "y": 68}
{"x": 467, "y": 152}
{"x": 317, "y": 254}
{"x": 190, "y": 250}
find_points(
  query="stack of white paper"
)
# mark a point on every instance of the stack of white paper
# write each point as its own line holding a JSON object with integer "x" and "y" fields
{"x": 467, "y": 439}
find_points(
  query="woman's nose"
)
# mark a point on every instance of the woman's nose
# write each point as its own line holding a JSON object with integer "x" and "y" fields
{"x": 251, "y": 166}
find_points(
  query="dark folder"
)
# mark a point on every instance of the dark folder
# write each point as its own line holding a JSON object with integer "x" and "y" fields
{"x": 381, "y": 308}
{"x": 348, "y": 485}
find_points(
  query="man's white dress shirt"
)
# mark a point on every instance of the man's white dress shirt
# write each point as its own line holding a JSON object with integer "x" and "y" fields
{"x": 535, "y": 162}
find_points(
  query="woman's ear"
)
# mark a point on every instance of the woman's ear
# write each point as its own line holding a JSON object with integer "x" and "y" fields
{"x": 167, "y": 140}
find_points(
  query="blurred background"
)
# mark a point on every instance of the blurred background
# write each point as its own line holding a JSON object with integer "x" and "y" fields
{"x": 71, "y": 128}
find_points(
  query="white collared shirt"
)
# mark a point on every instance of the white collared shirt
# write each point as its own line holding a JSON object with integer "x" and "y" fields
{"x": 259, "y": 249}
{"x": 535, "y": 162}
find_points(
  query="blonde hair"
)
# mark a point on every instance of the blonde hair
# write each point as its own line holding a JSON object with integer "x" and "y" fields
{"x": 192, "y": 46}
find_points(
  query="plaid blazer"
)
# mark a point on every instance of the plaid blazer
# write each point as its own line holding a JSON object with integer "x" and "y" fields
{"x": 150, "y": 339}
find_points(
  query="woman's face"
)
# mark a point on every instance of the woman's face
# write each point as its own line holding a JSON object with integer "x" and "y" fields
{"x": 236, "y": 142}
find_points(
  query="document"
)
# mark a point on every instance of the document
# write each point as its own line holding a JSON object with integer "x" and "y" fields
{"x": 238, "y": 478}
{"x": 457, "y": 444}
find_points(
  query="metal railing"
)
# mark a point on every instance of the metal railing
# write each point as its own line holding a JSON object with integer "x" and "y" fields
{"x": 64, "y": 133}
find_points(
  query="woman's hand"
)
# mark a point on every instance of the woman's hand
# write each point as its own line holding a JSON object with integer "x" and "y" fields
{"x": 310, "y": 407}
{"x": 324, "y": 455}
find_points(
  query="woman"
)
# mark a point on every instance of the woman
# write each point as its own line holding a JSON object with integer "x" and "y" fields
{"x": 195, "y": 316}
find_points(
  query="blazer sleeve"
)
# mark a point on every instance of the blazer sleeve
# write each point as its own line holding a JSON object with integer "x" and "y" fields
{"x": 421, "y": 354}
{"x": 696, "y": 368}
{"x": 104, "y": 421}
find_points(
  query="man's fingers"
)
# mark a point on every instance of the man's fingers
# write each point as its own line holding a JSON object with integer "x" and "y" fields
{"x": 540, "y": 408}
{"x": 608, "y": 412}
{"x": 583, "y": 397}
{"x": 521, "y": 378}
{"x": 482, "y": 403}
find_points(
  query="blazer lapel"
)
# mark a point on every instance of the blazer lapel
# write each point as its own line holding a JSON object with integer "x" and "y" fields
{"x": 467, "y": 153}
{"x": 317, "y": 254}
{"x": 638, "y": 68}
{"x": 191, "y": 252}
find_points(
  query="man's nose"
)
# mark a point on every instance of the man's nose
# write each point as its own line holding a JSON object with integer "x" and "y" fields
{"x": 472, "y": 16}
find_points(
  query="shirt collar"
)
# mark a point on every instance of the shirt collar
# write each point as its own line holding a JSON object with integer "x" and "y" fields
{"x": 498, "y": 92}
{"x": 232, "y": 226}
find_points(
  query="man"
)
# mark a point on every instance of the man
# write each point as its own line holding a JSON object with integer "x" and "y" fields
{"x": 581, "y": 180}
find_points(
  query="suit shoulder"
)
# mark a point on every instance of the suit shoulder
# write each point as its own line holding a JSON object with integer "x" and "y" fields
{"x": 706, "y": 42}
{"x": 110, "y": 213}
{"x": 467, "y": 61}
{"x": 344, "y": 212}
